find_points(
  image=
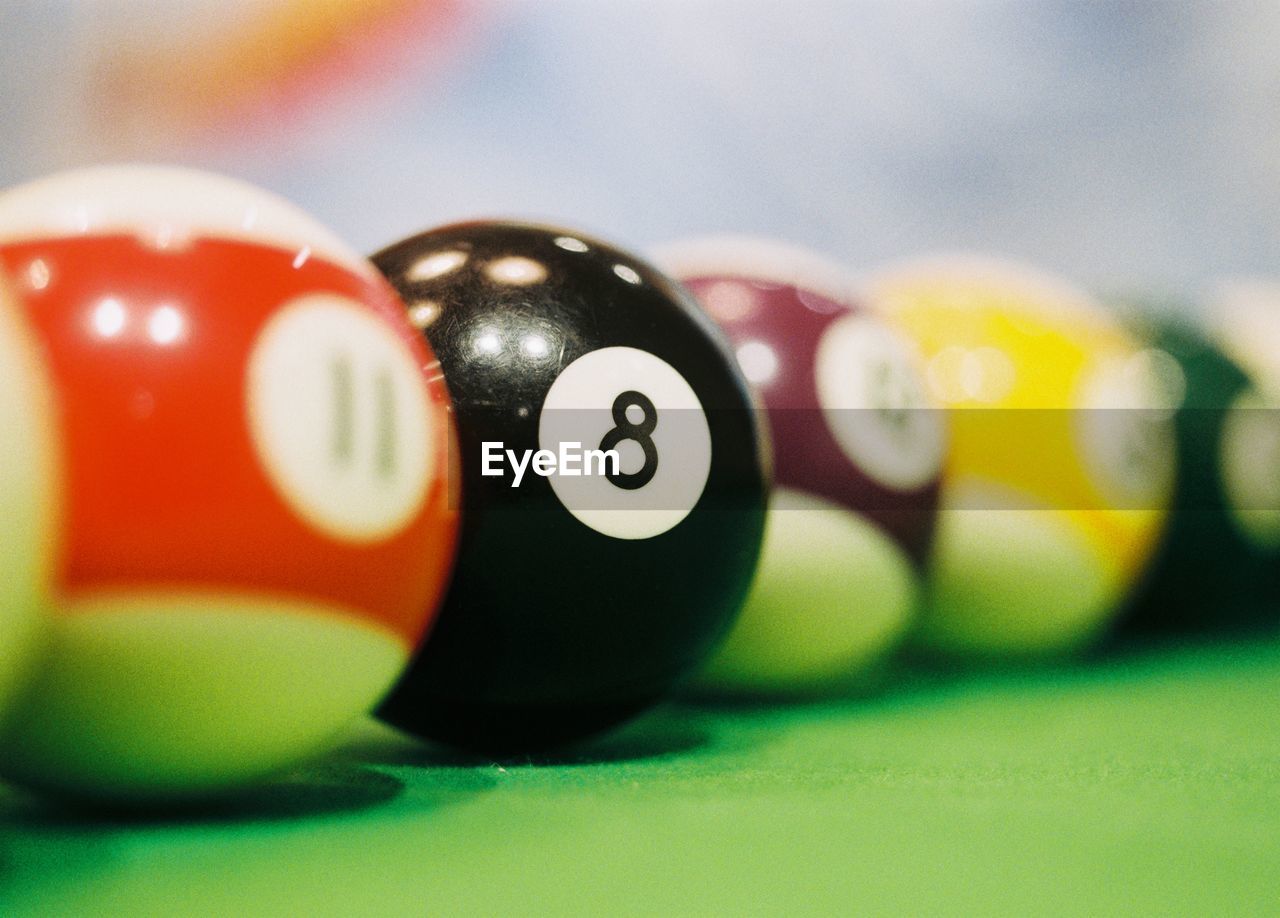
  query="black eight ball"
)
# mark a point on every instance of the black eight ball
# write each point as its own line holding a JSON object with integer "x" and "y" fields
{"x": 577, "y": 600}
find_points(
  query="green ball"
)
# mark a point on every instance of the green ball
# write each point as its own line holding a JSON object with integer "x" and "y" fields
{"x": 1218, "y": 566}
{"x": 833, "y": 594}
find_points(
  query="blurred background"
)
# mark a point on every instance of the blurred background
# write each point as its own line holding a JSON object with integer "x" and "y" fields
{"x": 1131, "y": 145}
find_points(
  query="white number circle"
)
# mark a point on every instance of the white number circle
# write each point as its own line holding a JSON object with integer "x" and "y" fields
{"x": 1124, "y": 425}
{"x": 339, "y": 413}
{"x": 1250, "y": 463}
{"x": 875, "y": 405}
{"x": 669, "y": 475}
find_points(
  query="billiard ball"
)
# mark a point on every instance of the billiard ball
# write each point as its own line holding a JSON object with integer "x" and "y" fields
{"x": 1244, "y": 321}
{"x": 858, "y": 453}
{"x": 1218, "y": 567}
{"x": 27, "y": 497}
{"x": 236, "y": 496}
{"x": 578, "y": 599}
{"x": 1058, "y": 480}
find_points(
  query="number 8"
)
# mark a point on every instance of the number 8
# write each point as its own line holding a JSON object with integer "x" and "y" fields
{"x": 640, "y": 433}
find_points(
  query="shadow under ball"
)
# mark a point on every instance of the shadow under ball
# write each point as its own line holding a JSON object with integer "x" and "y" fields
{"x": 576, "y": 602}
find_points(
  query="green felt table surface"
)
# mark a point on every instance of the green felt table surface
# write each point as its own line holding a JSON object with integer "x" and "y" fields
{"x": 1143, "y": 783}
